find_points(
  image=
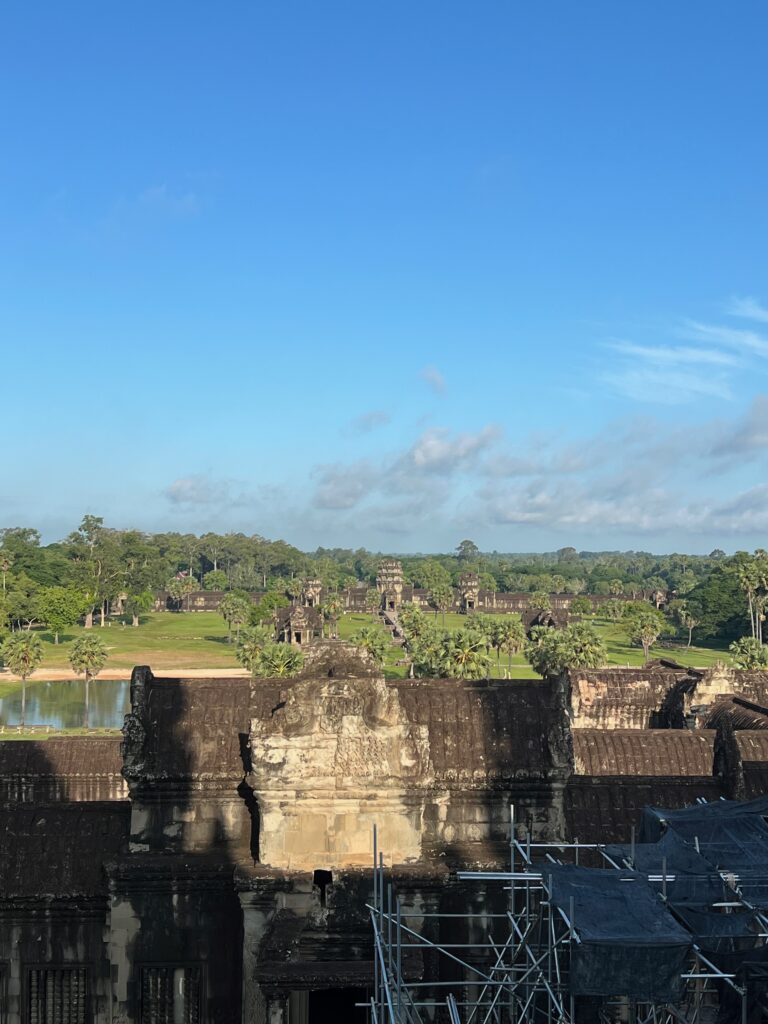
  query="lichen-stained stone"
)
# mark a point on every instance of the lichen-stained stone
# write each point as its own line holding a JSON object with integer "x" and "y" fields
{"x": 433, "y": 763}
{"x": 336, "y": 757}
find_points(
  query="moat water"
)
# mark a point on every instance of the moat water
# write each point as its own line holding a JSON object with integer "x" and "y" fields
{"x": 62, "y": 705}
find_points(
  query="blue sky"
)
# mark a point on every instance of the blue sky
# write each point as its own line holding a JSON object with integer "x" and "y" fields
{"x": 387, "y": 274}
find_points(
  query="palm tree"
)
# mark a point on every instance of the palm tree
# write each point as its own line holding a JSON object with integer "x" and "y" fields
{"x": 686, "y": 618}
{"x": 441, "y": 598}
{"x": 235, "y": 610}
{"x": 645, "y": 628}
{"x": 374, "y": 641}
{"x": 466, "y": 656}
{"x": 22, "y": 653}
{"x": 333, "y": 609}
{"x": 180, "y": 587}
{"x": 614, "y": 610}
{"x": 749, "y": 653}
{"x": 250, "y": 647}
{"x": 6, "y": 561}
{"x": 88, "y": 656}
{"x": 509, "y": 637}
{"x": 583, "y": 647}
{"x": 748, "y": 581}
{"x": 372, "y": 601}
{"x": 278, "y": 661}
{"x": 553, "y": 651}
{"x": 412, "y": 620}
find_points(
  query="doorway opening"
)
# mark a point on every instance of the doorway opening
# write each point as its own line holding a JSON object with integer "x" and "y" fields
{"x": 337, "y": 1005}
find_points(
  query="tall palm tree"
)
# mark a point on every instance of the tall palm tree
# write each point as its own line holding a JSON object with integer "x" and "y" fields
{"x": 374, "y": 641}
{"x": 372, "y": 601}
{"x": 22, "y": 653}
{"x": 466, "y": 655}
{"x": 333, "y": 609}
{"x": 441, "y": 598}
{"x": 250, "y": 647}
{"x": 88, "y": 656}
{"x": 509, "y": 637}
{"x": 748, "y": 578}
{"x": 279, "y": 661}
{"x": 235, "y": 610}
{"x": 6, "y": 561}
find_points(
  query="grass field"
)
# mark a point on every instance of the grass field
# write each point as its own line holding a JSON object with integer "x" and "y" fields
{"x": 620, "y": 652}
{"x": 198, "y": 641}
{"x": 164, "y": 640}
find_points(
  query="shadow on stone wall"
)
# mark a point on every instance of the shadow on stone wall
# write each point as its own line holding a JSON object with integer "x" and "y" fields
{"x": 173, "y": 902}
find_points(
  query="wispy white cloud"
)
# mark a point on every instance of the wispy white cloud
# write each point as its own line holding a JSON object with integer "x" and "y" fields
{"x": 434, "y": 379}
{"x": 743, "y": 341}
{"x": 748, "y": 308}
{"x": 641, "y": 475}
{"x": 664, "y": 356}
{"x": 652, "y": 382}
{"x": 343, "y": 486}
{"x": 440, "y": 451}
{"x": 201, "y": 489}
{"x": 162, "y": 199}
{"x": 421, "y": 472}
{"x": 367, "y": 422}
{"x": 746, "y": 437}
{"x": 153, "y": 205}
{"x": 197, "y": 489}
{"x": 704, "y": 366}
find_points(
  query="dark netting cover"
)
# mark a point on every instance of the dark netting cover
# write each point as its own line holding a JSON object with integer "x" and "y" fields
{"x": 694, "y": 879}
{"x": 654, "y": 818}
{"x": 630, "y": 945}
{"x": 730, "y": 843}
{"x": 714, "y": 931}
{"x": 737, "y": 844}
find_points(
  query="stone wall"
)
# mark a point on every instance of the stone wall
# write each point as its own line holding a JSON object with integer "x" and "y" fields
{"x": 433, "y": 763}
{"x": 244, "y": 854}
{"x": 63, "y": 768}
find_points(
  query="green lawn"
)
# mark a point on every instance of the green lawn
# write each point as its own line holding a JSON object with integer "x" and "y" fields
{"x": 164, "y": 640}
{"x": 198, "y": 640}
{"x": 351, "y": 623}
{"x": 620, "y": 652}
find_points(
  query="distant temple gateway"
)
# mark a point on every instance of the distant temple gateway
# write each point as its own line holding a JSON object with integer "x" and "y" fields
{"x": 215, "y": 864}
{"x": 468, "y": 597}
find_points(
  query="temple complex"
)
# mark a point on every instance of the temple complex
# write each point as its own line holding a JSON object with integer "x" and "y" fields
{"x": 215, "y": 864}
{"x": 468, "y": 596}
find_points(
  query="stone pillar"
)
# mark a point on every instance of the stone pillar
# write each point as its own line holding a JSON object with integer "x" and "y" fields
{"x": 258, "y": 908}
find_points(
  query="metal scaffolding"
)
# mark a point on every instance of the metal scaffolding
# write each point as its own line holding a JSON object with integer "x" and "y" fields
{"x": 512, "y": 965}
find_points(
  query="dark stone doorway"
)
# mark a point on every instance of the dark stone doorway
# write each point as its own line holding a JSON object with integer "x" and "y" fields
{"x": 337, "y": 1006}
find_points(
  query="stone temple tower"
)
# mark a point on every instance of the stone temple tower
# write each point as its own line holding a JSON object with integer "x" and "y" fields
{"x": 469, "y": 589}
{"x": 389, "y": 583}
{"x": 311, "y": 593}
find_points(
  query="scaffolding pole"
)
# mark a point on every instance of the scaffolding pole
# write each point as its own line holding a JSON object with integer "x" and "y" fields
{"x": 513, "y": 966}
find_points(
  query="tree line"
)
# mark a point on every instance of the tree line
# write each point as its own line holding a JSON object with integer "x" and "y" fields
{"x": 97, "y": 568}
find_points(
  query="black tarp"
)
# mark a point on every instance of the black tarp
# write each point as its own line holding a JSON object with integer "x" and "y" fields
{"x": 713, "y": 930}
{"x": 732, "y": 836}
{"x": 694, "y": 879}
{"x": 629, "y": 944}
{"x": 655, "y": 819}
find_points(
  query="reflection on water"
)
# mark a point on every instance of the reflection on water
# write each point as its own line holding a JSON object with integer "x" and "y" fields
{"x": 62, "y": 705}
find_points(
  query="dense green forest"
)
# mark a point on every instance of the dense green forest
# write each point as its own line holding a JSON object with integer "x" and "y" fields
{"x": 724, "y": 596}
